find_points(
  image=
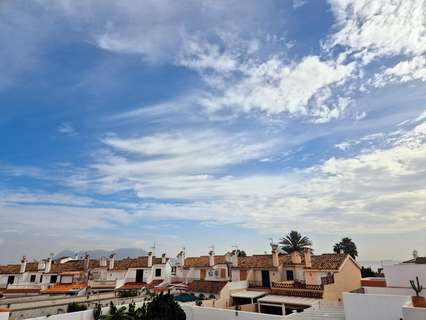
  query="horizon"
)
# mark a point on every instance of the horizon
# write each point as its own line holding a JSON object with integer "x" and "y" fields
{"x": 200, "y": 123}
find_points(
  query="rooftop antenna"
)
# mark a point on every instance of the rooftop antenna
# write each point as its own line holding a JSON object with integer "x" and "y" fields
{"x": 153, "y": 249}
{"x": 235, "y": 247}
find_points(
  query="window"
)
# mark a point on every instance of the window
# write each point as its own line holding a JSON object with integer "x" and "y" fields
{"x": 41, "y": 278}
{"x": 289, "y": 274}
{"x": 53, "y": 278}
{"x": 158, "y": 272}
{"x": 10, "y": 279}
{"x": 32, "y": 278}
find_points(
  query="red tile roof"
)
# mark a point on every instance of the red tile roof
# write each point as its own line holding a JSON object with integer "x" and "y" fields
{"x": 10, "y": 269}
{"x": 206, "y": 286}
{"x": 141, "y": 262}
{"x": 140, "y": 285}
{"x": 65, "y": 288}
{"x": 22, "y": 290}
{"x": 203, "y": 261}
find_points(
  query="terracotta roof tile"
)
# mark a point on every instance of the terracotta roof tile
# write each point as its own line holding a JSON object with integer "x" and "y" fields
{"x": 255, "y": 261}
{"x": 203, "y": 261}
{"x": 140, "y": 285}
{"x": 10, "y": 269}
{"x": 65, "y": 288}
{"x": 206, "y": 286}
{"x": 141, "y": 262}
{"x": 22, "y": 290}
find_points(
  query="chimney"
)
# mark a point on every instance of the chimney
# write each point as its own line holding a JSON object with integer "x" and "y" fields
{"x": 181, "y": 258}
{"x": 308, "y": 254}
{"x": 150, "y": 259}
{"x": 274, "y": 250}
{"x": 86, "y": 262}
{"x": 211, "y": 258}
{"x": 48, "y": 265}
{"x": 234, "y": 258}
{"x": 163, "y": 258}
{"x": 76, "y": 256}
{"x": 103, "y": 262}
{"x": 296, "y": 258}
{"x": 41, "y": 265}
{"x": 111, "y": 261}
{"x": 23, "y": 264}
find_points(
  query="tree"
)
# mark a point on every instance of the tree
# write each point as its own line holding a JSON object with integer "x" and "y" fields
{"x": 97, "y": 311}
{"x": 347, "y": 246}
{"x": 164, "y": 307}
{"x": 240, "y": 253}
{"x": 75, "y": 307}
{"x": 294, "y": 241}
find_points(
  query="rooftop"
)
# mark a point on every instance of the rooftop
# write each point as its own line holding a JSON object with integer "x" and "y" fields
{"x": 248, "y": 294}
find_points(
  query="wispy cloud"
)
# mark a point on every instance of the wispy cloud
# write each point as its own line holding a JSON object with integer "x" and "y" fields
{"x": 67, "y": 129}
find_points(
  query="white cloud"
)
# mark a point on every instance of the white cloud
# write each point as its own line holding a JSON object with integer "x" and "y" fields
{"x": 67, "y": 129}
{"x": 380, "y": 189}
{"x": 275, "y": 87}
{"x": 380, "y": 28}
{"x": 404, "y": 71}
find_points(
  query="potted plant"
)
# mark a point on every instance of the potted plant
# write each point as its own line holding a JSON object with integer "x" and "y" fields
{"x": 418, "y": 301}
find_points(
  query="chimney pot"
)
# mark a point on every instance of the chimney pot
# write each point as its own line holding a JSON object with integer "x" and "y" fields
{"x": 23, "y": 264}
{"x": 149, "y": 259}
{"x": 111, "y": 261}
{"x": 274, "y": 250}
{"x": 211, "y": 258}
{"x": 308, "y": 257}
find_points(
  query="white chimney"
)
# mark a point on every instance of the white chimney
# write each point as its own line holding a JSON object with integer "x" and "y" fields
{"x": 48, "y": 265}
{"x": 76, "y": 256}
{"x": 296, "y": 258}
{"x": 103, "y": 262}
{"x": 86, "y": 262}
{"x": 111, "y": 261}
{"x": 274, "y": 250}
{"x": 163, "y": 258}
{"x": 234, "y": 258}
{"x": 150, "y": 259}
{"x": 23, "y": 264}
{"x": 41, "y": 265}
{"x": 211, "y": 258}
{"x": 181, "y": 258}
{"x": 308, "y": 254}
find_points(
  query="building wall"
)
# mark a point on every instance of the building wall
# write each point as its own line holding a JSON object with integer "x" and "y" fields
{"x": 411, "y": 313}
{"x": 4, "y": 315}
{"x": 347, "y": 279}
{"x": 399, "y": 275}
{"x": 203, "y": 313}
{"x": 373, "y": 306}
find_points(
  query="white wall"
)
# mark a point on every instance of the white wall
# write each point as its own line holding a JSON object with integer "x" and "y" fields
{"x": 411, "y": 313}
{"x": 4, "y": 315}
{"x": 392, "y": 291}
{"x": 205, "y": 313}
{"x": 399, "y": 275}
{"x": 373, "y": 306}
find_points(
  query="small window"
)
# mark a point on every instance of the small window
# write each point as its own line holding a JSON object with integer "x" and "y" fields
{"x": 53, "y": 278}
{"x": 158, "y": 272}
{"x": 289, "y": 274}
{"x": 32, "y": 278}
{"x": 10, "y": 279}
{"x": 41, "y": 278}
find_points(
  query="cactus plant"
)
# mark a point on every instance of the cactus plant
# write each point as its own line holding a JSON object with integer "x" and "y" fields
{"x": 416, "y": 286}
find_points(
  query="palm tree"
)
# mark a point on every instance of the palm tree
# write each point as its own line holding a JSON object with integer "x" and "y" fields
{"x": 347, "y": 246}
{"x": 294, "y": 241}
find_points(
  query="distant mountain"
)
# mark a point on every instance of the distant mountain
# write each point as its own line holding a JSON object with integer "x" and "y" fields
{"x": 96, "y": 254}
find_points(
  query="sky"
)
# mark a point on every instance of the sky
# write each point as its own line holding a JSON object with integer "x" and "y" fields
{"x": 212, "y": 123}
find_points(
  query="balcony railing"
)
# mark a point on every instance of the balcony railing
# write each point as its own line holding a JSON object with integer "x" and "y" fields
{"x": 297, "y": 289}
{"x": 327, "y": 280}
{"x": 257, "y": 285}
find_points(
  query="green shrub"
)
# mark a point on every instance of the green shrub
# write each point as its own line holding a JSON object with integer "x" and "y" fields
{"x": 75, "y": 307}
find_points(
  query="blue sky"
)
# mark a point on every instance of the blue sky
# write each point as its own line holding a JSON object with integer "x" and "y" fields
{"x": 199, "y": 123}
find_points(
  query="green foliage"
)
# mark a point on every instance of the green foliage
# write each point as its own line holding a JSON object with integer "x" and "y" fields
{"x": 294, "y": 241}
{"x": 164, "y": 307}
{"x": 212, "y": 296}
{"x": 75, "y": 307}
{"x": 240, "y": 253}
{"x": 127, "y": 293}
{"x": 97, "y": 311}
{"x": 367, "y": 272}
{"x": 416, "y": 286}
{"x": 347, "y": 246}
{"x": 161, "y": 307}
{"x": 198, "y": 302}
